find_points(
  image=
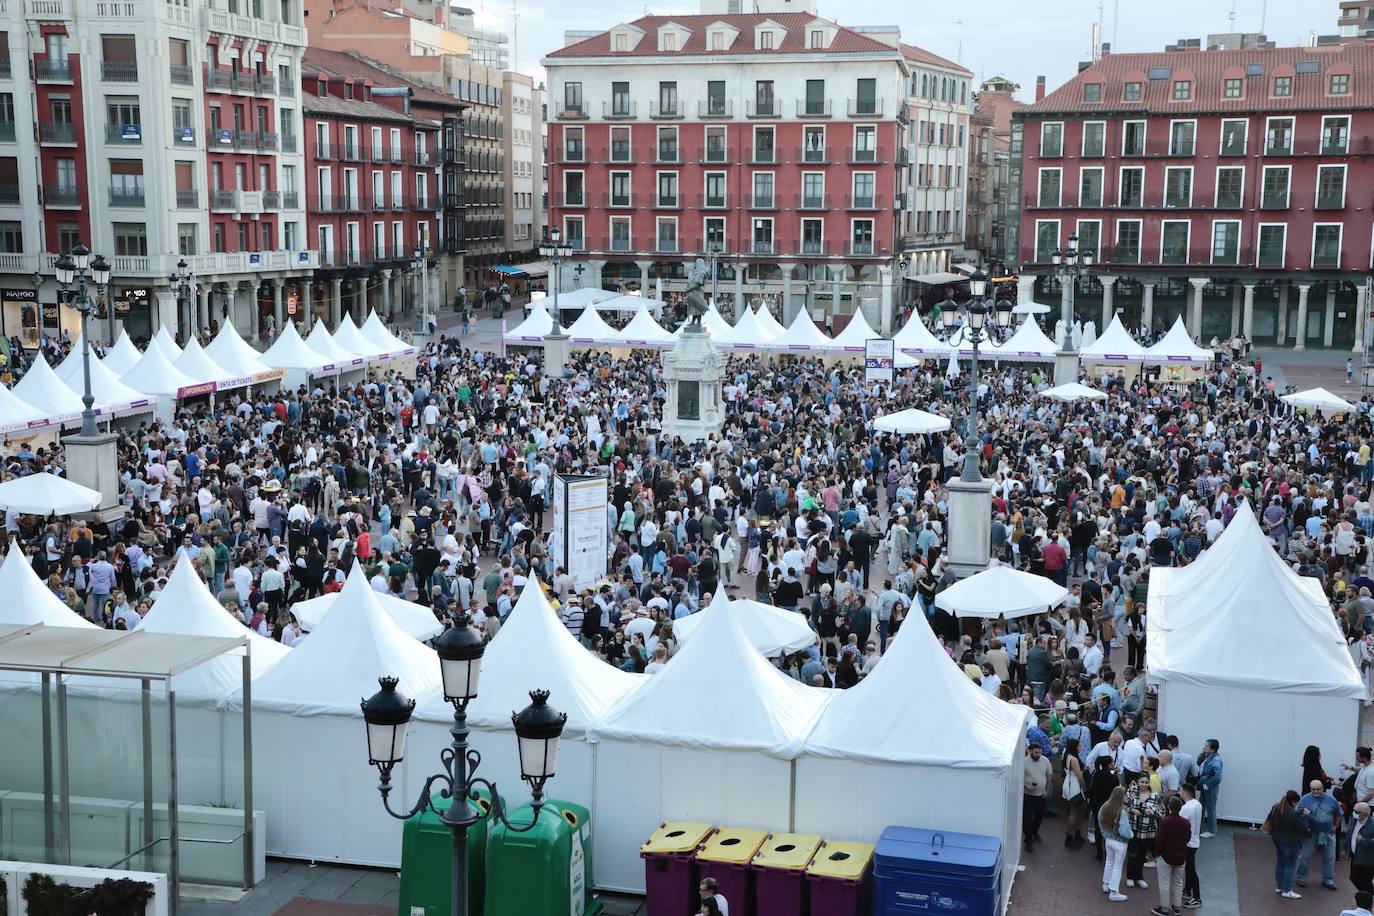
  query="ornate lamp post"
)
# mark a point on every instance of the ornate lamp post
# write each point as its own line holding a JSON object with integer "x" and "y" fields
{"x": 182, "y": 282}
{"x": 975, "y": 313}
{"x": 418, "y": 264}
{"x": 78, "y": 266}
{"x": 538, "y": 729}
{"x": 1069, "y": 266}
{"x": 555, "y": 250}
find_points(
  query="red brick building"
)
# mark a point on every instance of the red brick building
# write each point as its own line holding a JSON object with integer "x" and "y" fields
{"x": 1231, "y": 187}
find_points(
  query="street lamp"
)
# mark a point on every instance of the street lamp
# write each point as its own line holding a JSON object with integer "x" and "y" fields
{"x": 555, "y": 250}
{"x": 538, "y": 730}
{"x": 1070, "y": 266}
{"x": 975, "y": 313}
{"x": 422, "y": 313}
{"x": 77, "y": 266}
{"x": 181, "y": 281}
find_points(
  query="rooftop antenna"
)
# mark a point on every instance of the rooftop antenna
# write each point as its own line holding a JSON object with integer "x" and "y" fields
{"x": 515, "y": 34}
{"x": 1095, "y": 52}
{"x": 1264, "y": 14}
{"x": 959, "y": 53}
{"x": 1116, "y": 20}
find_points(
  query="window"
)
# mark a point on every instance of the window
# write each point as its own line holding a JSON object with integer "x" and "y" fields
{"x": 714, "y": 233}
{"x": 1132, "y": 187}
{"x": 813, "y": 190}
{"x": 574, "y": 188}
{"x": 1326, "y": 245}
{"x": 1283, "y": 86}
{"x": 861, "y": 236}
{"x": 815, "y": 99}
{"x": 866, "y": 96}
{"x": 1181, "y": 136}
{"x": 1230, "y": 188}
{"x": 764, "y": 150}
{"x": 1127, "y": 242}
{"x": 12, "y": 238}
{"x": 620, "y": 41}
{"x": 1335, "y": 135}
{"x": 667, "y": 144}
{"x": 1233, "y": 136}
{"x": 864, "y": 185}
{"x": 1338, "y": 84}
{"x": 715, "y": 144}
{"x": 1331, "y": 187}
{"x": 1133, "y": 138}
{"x": 765, "y": 105}
{"x": 1094, "y": 138}
{"x": 1090, "y": 236}
{"x": 573, "y": 232}
{"x": 1046, "y": 240}
{"x": 668, "y": 41}
{"x": 1183, "y": 90}
{"x": 1272, "y": 242}
{"x": 1231, "y": 88}
{"x": 1051, "y": 181}
{"x": 667, "y": 99}
{"x": 1051, "y": 139}
{"x": 763, "y": 190}
{"x": 1226, "y": 242}
{"x": 667, "y": 189}
{"x": 1090, "y": 187}
{"x": 817, "y": 39}
{"x": 1274, "y": 195}
{"x": 1173, "y": 244}
{"x": 763, "y": 236}
{"x": 620, "y": 235}
{"x": 186, "y": 239}
{"x": 717, "y": 41}
{"x": 1092, "y": 92}
{"x": 572, "y": 98}
{"x": 813, "y": 144}
{"x": 865, "y": 144}
{"x": 131, "y": 240}
{"x": 620, "y": 189}
{"x": 620, "y": 100}
{"x": 766, "y": 40}
{"x": 1131, "y": 92}
{"x": 666, "y": 235}
{"x": 1278, "y": 140}
{"x": 573, "y": 150}
{"x": 715, "y": 189}
{"x": 1178, "y": 187}
{"x": 715, "y": 97}
{"x": 813, "y": 236}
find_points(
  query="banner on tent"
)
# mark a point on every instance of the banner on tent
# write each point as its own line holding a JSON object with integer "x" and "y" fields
{"x": 880, "y": 358}
{"x": 271, "y": 375}
{"x": 192, "y": 391}
{"x": 579, "y": 532}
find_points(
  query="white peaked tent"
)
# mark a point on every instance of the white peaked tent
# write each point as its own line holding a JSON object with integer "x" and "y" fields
{"x": 17, "y": 414}
{"x": 379, "y": 334}
{"x": 164, "y": 341}
{"x": 769, "y": 629}
{"x": 1001, "y": 592}
{"x": 1237, "y": 638}
{"x": 1028, "y": 344}
{"x": 154, "y": 374}
{"x": 1089, "y": 333}
{"x": 1073, "y": 391}
{"x": 203, "y": 369}
{"x": 801, "y": 337}
{"x": 1177, "y": 347}
{"x": 349, "y": 337}
{"x": 416, "y": 620}
{"x": 47, "y": 494}
{"x": 340, "y": 358}
{"x": 580, "y": 298}
{"x": 536, "y": 326}
{"x": 911, "y": 744}
{"x": 708, "y": 738}
{"x": 186, "y": 606}
{"x": 298, "y": 359}
{"x": 749, "y": 334}
{"x": 620, "y": 304}
{"x": 41, "y": 389}
{"x": 231, "y": 353}
{"x": 643, "y": 331}
{"x": 770, "y": 325}
{"x": 1314, "y": 399}
{"x": 1116, "y": 345}
{"x": 916, "y": 339}
{"x": 111, "y": 395}
{"x": 28, "y": 600}
{"x": 855, "y": 336}
{"x": 591, "y": 330}
{"x": 911, "y": 422}
{"x": 121, "y": 357}
{"x": 307, "y": 721}
{"x": 713, "y": 321}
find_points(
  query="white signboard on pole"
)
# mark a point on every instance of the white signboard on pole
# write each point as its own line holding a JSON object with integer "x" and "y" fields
{"x": 880, "y": 359}
{"x": 579, "y": 536}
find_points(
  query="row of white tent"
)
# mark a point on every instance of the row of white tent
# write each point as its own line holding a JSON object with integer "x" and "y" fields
{"x": 757, "y": 330}
{"x": 719, "y": 735}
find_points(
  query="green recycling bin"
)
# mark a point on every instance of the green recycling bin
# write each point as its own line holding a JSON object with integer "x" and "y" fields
{"x": 546, "y": 871}
{"x": 427, "y": 862}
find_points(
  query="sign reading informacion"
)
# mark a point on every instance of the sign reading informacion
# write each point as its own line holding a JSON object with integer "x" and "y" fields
{"x": 880, "y": 359}
{"x": 579, "y": 532}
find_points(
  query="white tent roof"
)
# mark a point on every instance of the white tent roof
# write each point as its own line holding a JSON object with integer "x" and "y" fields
{"x": 534, "y": 650}
{"x": 415, "y": 619}
{"x": 591, "y": 328}
{"x": 1001, "y": 592}
{"x": 291, "y": 352}
{"x": 155, "y": 373}
{"x": 855, "y": 335}
{"x": 621, "y": 304}
{"x": 536, "y": 326}
{"x": 338, "y": 664}
{"x": 121, "y": 357}
{"x": 28, "y": 600}
{"x": 41, "y": 389}
{"x": 580, "y": 298}
{"x": 918, "y": 707}
{"x": 1177, "y": 347}
{"x": 770, "y": 325}
{"x": 718, "y": 692}
{"x": 380, "y": 335}
{"x": 1115, "y": 345}
{"x": 911, "y": 422}
{"x": 769, "y": 629}
{"x": 202, "y": 368}
{"x": 111, "y": 395}
{"x": 17, "y": 414}
{"x": 713, "y": 321}
{"x": 1073, "y": 391}
{"x": 334, "y": 354}
{"x": 802, "y": 337}
{"x": 643, "y": 331}
{"x": 233, "y": 354}
{"x": 349, "y": 337}
{"x": 749, "y": 334}
{"x": 915, "y": 338}
{"x": 1239, "y": 617}
{"x": 186, "y": 606}
{"x": 1028, "y": 342}
{"x": 164, "y": 341}
{"x": 1319, "y": 399}
{"x": 47, "y": 494}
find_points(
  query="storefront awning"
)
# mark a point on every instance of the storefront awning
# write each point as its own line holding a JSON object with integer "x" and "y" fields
{"x": 508, "y": 270}
{"x": 939, "y": 278}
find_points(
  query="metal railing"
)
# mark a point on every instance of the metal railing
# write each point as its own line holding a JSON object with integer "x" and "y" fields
{"x": 287, "y": 143}
{"x": 866, "y": 108}
{"x": 863, "y": 201}
{"x": 188, "y": 199}
{"x": 223, "y": 200}
{"x": 271, "y": 200}
{"x": 48, "y": 69}
{"x": 128, "y": 134}
{"x": 659, "y": 111}
{"x": 290, "y": 200}
{"x": 819, "y": 156}
{"x": 764, "y": 202}
{"x": 7, "y": 134}
{"x": 119, "y": 71}
{"x": 626, "y": 110}
{"x": 181, "y": 75}
{"x": 127, "y": 197}
{"x": 61, "y": 195}
{"x": 763, "y": 108}
{"x": 813, "y": 201}
{"x": 711, "y": 107}
{"x": 813, "y": 108}
{"x": 9, "y": 195}
{"x": 718, "y": 156}
{"x": 767, "y": 156}
{"x": 619, "y": 201}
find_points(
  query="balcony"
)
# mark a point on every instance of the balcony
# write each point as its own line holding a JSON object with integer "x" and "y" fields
{"x": 863, "y": 201}
{"x": 619, "y": 201}
{"x": 126, "y": 197}
{"x": 222, "y": 201}
{"x": 423, "y": 158}
{"x": 813, "y": 108}
{"x": 813, "y": 202}
{"x": 572, "y": 157}
{"x": 621, "y": 243}
{"x": 324, "y": 149}
{"x": 572, "y": 114}
{"x": 715, "y": 156}
{"x": 762, "y": 246}
{"x": 764, "y": 202}
{"x": 287, "y": 90}
{"x": 56, "y": 71}
{"x": 668, "y": 156}
{"x": 1233, "y": 148}
{"x": 188, "y": 199}
{"x": 124, "y": 134}
{"x": 814, "y": 156}
{"x": 271, "y": 200}
{"x": 566, "y": 201}
{"x": 711, "y": 107}
{"x": 267, "y": 140}
{"x": 265, "y": 84}
{"x": 860, "y": 249}
{"x": 217, "y": 79}
{"x": 664, "y": 245}
{"x": 183, "y": 136}
{"x": 764, "y": 108}
{"x": 622, "y": 155}
{"x": 290, "y": 200}
{"x": 1279, "y": 146}
{"x": 7, "y": 134}
{"x": 624, "y": 110}
{"x": 378, "y": 202}
{"x": 9, "y": 195}
{"x": 812, "y": 247}
{"x": 224, "y": 140}
{"x": 669, "y": 112}
{"x": 1271, "y": 256}
{"x": 119, "y": 71}
{"x": 287, "y": 143}
{"x": 352, "y": 152}
{"x": 5, "y": 68}
{"x": 767, "y": 156}
{"x": 866, "y": 108}
{"x": 861, "y": 156}
{"x": 61, "y": 195}
{"x": 715, "y": 201}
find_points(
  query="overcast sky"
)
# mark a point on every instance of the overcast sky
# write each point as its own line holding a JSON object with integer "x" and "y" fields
{"x": 1031, "y": 37}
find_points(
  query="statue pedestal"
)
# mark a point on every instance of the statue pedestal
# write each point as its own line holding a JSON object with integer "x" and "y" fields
{"x": 695, "y": 372}
{"x": 92, "y": 462}
{"x": 555, "y": 355}
{"x": 1065, "y": 367}
{"x": 970, "y": 525}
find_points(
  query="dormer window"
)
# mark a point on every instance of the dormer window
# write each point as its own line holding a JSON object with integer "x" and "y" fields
{"x": 765, "y": 40}
{"x": 717, "y": 41}
{"x": 1340, "y": 84}
{"x": 667, "y": 41}
{"x": 1092, "y": 92}
{"x": 1183, "y": 90}
{"x": 1283, "y": 86}
{"x": 620, "y": 42}
{"x": 817, "y": 39}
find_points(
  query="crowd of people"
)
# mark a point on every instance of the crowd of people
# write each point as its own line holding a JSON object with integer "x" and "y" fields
{"x": 440, "y": 487}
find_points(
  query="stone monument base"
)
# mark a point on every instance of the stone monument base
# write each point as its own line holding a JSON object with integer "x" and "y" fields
{"x": 970, "y": 525}
{"x": 1065, "y": 367}
{"x": 695, "y": 372}
{"x": 92, "y": 461}
{"x": 555, "y": 355}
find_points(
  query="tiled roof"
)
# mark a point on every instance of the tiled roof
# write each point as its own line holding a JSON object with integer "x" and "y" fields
{"x": 340, "y": 63}
{"x": 1209, "y": 69}
{"x": 794, "y": 42}
{"x": 362, "y": 109}
{"x": 922, "y": 56}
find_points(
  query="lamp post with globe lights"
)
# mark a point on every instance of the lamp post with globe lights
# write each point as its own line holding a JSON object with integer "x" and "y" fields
{"x": 78, "y": 267}
{"x": 1070, "y": 266}
{"x": 555, "y": 250}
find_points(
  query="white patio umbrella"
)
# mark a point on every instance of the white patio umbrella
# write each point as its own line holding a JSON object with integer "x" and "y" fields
{"x": 911, "y": 422}
{"x": 1030, "y": 308}
{"x": 1318, "y": 399}
{"x": 1001, "y": 592}
{"x": 1073, "y": 391}
{"x": 47, "y": 494}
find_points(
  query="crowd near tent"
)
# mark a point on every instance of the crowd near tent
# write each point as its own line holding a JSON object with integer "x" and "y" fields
{"x": 537, "y": 325}
{"x": 112, "y": 396}
{"x": 299, "y": 361}
{"x": 42, "y": 390}
{"x": 28, "y": 600}
{"x": 1245, "y": 650}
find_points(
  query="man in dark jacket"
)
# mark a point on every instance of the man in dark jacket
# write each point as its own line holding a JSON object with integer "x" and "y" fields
{"x": 1171, "y": 848}
{"x": 1361, "y": 840}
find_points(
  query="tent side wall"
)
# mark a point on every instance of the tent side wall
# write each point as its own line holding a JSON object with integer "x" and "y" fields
{"x": 640, "y": 786}
{"x": 1259, "y": 764}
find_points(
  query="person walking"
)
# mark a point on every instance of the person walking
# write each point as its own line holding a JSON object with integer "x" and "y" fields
{"x": 1171, "y": 852}
{"x": 1325, "y": 815}
{"x": 1075, "y": 795}
{"x": 1191, "y": 811}
{"x": 1286, "y": 825}
{"x": 1362, "y": 848}
{"x": 1209, "y": 781}
{"x": 1114, "y": 824}
{"x": 1035, "y": 786}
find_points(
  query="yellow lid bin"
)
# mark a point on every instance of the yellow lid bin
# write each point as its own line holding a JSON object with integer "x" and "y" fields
{"x": 839, "y": 879}
{"x": 779, "y": 870}
{"x": 842, "y": 861}
{"x": 670, "y": 868}
{"x": 787, "y": 851}
{"x": 732, "y": 845}
{"x": 676, "y": 837}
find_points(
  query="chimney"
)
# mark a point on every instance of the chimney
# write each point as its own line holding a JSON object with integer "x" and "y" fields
{"x": 1039, "y": 88}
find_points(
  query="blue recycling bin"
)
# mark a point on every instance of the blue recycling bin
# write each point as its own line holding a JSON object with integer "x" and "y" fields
{"x": 936, "y": 871}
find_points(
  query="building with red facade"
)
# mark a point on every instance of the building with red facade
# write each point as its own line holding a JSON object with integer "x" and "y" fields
{"x": 1227, "y": 186}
